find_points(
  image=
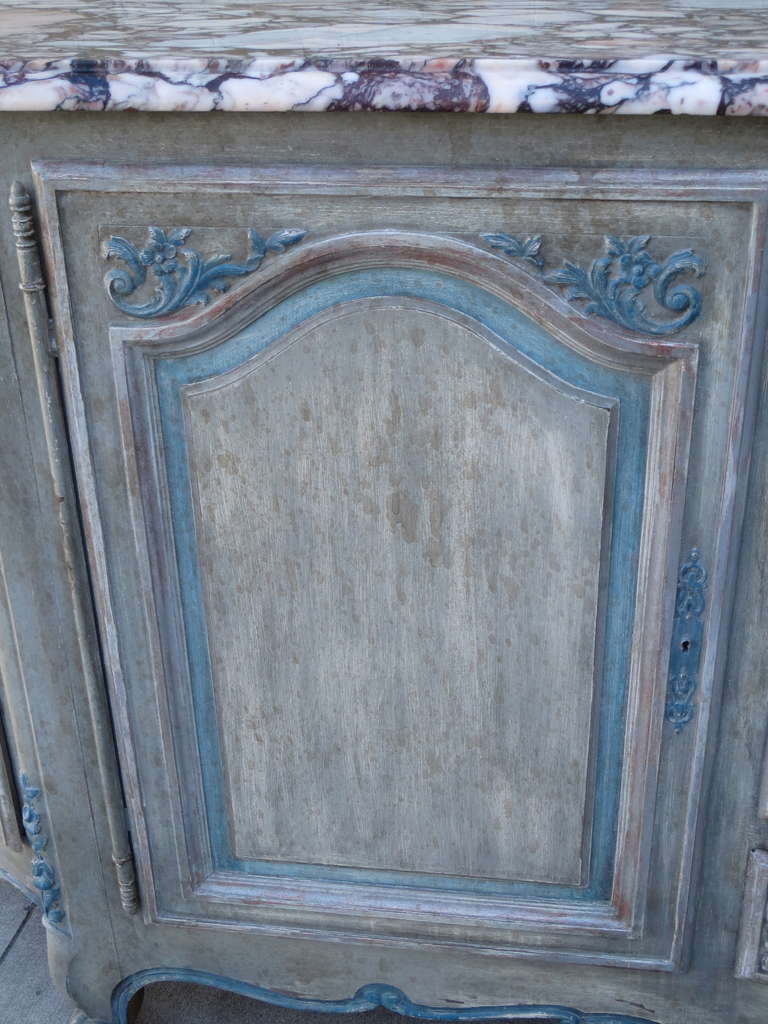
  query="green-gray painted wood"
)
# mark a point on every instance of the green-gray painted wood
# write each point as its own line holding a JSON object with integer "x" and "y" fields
{"x": 48, "y": 713}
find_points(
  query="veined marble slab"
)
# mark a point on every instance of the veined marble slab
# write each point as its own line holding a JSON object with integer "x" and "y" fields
{"x": 488, "y": 84}
{"x": 363, "y": 55}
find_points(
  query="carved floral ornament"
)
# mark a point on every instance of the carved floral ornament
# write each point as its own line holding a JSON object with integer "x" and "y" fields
{"x": 613, "y": 287}
{"x": 43, "y": 874}
{"x": 184, "y": 277}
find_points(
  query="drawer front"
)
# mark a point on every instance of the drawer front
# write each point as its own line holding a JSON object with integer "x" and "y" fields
{"x": 393, "y": 517}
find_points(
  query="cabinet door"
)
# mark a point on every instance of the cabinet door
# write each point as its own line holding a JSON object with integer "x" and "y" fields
{"x": 393, "y": 524}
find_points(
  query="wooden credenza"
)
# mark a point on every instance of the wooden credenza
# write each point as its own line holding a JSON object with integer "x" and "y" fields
{"x": 384, "y": 560}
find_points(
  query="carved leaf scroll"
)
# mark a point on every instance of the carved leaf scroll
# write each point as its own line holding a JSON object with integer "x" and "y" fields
{"x": 613, "y": 285}
{"x": 184, "y": 277}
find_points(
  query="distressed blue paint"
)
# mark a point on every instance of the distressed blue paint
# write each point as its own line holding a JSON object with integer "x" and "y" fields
{"x": 688, "y": 631}
{"x": 369, "y": 997}
{"x": 527, "y": 249}
{"x": 180, "y": 283}
{"x": 522, "y": 334}
{"x": 43, "y": 874}
{"x": 613, "y": 285}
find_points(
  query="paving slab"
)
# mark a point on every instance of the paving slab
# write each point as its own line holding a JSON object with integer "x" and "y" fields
{"x": 26, "y": 993}
{"x": 15, "y": 909}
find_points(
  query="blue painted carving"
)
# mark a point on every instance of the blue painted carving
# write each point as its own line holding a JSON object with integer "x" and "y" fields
{"x": 686, "y": 642}
{"x": 184, "y": 277}
{"x": 369, "y": 997}
{"x": 519, "y": 249}
{"x": 613, "y": 285}
{"x": 43, "y": 875}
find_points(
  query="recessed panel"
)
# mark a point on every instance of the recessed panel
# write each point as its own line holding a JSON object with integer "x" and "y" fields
{"x": 400, "y": 533}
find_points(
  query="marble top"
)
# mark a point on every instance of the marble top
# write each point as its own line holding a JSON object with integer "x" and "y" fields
{"x": 496, "y": 57}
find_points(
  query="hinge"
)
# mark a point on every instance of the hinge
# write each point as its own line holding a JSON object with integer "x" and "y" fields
{"x": 687, "y": 634}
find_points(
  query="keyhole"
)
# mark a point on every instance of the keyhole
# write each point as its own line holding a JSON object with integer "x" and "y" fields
{"x": 685, "y": 645}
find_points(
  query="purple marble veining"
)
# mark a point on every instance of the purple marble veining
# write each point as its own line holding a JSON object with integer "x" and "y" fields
{"x": 646, "y": 85}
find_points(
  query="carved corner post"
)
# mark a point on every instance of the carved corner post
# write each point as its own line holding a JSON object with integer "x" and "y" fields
{"x": 43, "y": 349}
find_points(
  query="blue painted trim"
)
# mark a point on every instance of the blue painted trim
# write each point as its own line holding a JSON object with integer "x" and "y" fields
{"x": 523, "y": 335}
{"x": 369, "y": 997}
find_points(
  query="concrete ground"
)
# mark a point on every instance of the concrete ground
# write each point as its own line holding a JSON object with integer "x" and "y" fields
{"x": 26, "y": 993}
{"x": 28, "y": 997}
